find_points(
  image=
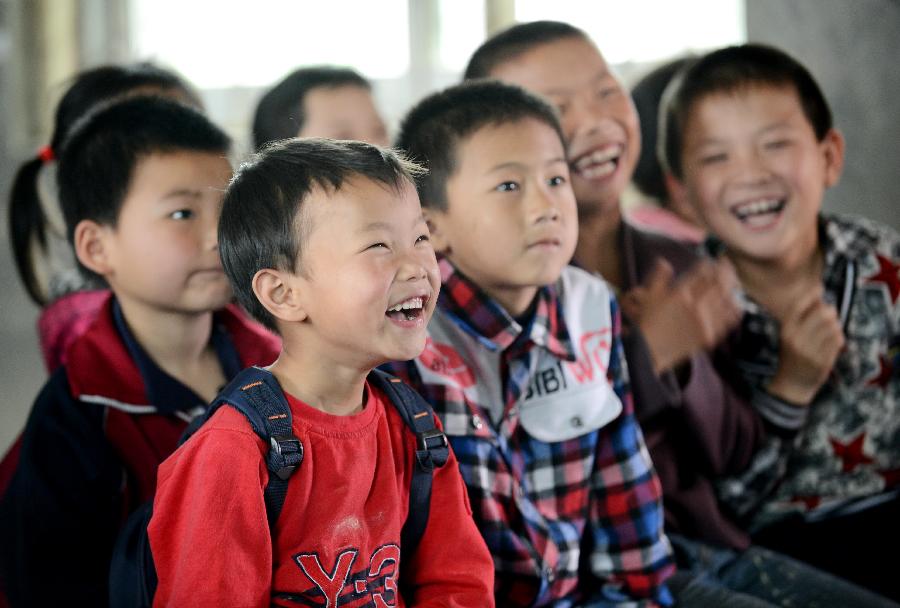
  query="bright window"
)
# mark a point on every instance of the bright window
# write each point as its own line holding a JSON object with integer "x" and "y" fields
{"x": 642, "y": 31}
{"x": 219, "y": 44}
{"x": 462, "y": 30}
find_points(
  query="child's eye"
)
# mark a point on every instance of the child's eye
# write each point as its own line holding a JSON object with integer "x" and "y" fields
{"x": 378, "y": 246}
{"x": 507, "y": 187}
{"x": 711, "y": 159}
{"x": 604, "y": 92}
{"x": 181, "y": 214}
{"x": 777, "y": 144}
{"x": 559, "y": 180}
{"x": 423, "y": 238}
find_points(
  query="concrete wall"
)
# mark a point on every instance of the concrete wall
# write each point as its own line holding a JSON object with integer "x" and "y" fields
{"x": 852, "y": 47}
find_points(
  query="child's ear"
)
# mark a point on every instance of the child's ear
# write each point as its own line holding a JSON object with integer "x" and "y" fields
{"x": 833, "y": 145}
{"x": 93, "y": 247}
{"x": 435, "y": 221}
{"x": 278, "y": 292}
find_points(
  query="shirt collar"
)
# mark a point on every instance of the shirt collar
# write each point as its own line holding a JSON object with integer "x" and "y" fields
{"x": 166, "y": 393}
{"x": 484, "y": 319}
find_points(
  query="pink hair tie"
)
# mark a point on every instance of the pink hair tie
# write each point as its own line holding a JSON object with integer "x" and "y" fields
{"x": 46, "y": 154}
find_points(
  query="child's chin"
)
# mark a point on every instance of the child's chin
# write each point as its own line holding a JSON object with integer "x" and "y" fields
{"x": 410, "y": 351}
{"x": 213, "y": 299}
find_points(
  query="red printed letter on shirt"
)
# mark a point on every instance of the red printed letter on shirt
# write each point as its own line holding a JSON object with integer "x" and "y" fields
{"x": 330, "y": 584}
{"x": 385, "y": 558}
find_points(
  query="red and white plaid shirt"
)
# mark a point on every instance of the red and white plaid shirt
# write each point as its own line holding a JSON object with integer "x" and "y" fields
{"x": 540, "y": 417}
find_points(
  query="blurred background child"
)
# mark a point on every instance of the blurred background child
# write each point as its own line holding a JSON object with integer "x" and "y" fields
{"x": 666, "y": 209}
{"x": 319, "y": 101}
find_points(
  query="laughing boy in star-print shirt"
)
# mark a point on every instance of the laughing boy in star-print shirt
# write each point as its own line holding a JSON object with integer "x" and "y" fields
{"x": 750, "y": 135}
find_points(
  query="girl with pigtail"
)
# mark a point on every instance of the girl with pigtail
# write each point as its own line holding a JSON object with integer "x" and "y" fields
{"x": 43, "y": 255}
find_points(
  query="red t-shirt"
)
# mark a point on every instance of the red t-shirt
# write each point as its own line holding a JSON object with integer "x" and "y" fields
{"x": 339, "y": 531}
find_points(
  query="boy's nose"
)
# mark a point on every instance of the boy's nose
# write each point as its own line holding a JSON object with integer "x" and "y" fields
{"x": 543, "y": 207}
{"x": 413, "y": 267}
{"x": 753, "y": 168}
{"x": 582, "y": 119}
{"x": 586, "y": 115}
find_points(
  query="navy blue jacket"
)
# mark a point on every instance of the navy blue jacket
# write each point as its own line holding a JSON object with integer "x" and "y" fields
{"x": 96, "y": 434}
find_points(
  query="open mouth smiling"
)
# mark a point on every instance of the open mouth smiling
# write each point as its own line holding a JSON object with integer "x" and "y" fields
{"x": 759, "y": 213}
{"x": 600, "y": 163}
{"x": 409, "y": 310}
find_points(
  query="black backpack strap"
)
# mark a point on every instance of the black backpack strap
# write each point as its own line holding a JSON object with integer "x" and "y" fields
{"x": 257, "y": 395}
{"x": 432, "y": 451}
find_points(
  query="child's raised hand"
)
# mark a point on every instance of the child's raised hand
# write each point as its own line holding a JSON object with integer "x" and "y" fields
{"x": 811, "y": 339}
{"x": 677, "y": 319}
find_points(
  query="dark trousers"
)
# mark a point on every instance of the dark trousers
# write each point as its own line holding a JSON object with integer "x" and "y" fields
{"x": 710, "y": 576}
{"x": 863, "y": 547}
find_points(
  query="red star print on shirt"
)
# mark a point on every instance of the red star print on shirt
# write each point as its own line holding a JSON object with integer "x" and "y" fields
{"x": 889, "y": 274}
{"x": 851, "y": 453}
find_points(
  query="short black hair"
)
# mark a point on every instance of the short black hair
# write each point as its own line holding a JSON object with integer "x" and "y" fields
{"x": 432, "y": 131}
{"x": 260, "y": 222}
{"x": 647, "y": 93}
{"x": 728, "y": 70}
{"x": 98, "y": 159}
{"x": 280, "y": 113}
{"x": 515, "y": 40}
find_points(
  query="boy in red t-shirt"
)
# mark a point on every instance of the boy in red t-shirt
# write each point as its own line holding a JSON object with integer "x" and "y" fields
{"x": 325, "y": 243}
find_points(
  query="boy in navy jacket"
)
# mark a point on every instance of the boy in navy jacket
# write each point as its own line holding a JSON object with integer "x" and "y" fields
{"x": 141, "y": 185}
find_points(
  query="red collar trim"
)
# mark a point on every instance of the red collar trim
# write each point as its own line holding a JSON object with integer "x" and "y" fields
{"x": 99, "y": 365}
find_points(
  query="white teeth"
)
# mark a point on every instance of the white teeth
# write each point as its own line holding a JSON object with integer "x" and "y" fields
{"x": 758, "y": 207}
{"x": 410, "y": 304}
{"x": 600, "y": 156}
{"x": 598, "y": 171}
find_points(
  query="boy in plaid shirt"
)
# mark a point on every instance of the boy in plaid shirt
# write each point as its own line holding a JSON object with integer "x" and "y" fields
{"x": 523, "y": 367}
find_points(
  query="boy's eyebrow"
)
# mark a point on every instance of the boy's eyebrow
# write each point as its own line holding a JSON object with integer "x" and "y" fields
{"x": 182, "y": 193}
{"x": 374, "y": 226}
{"x": 382, "y": 225}
{"x": 601, "y": 75}
{"x": 781, "y": 124}
{"x": 517, "y": 165}
{"x": 710, "y": 141}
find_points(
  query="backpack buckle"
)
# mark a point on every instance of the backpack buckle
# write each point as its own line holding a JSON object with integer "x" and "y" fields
{"x": 286, "y": 454}
{"x": 431, "y": 440}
